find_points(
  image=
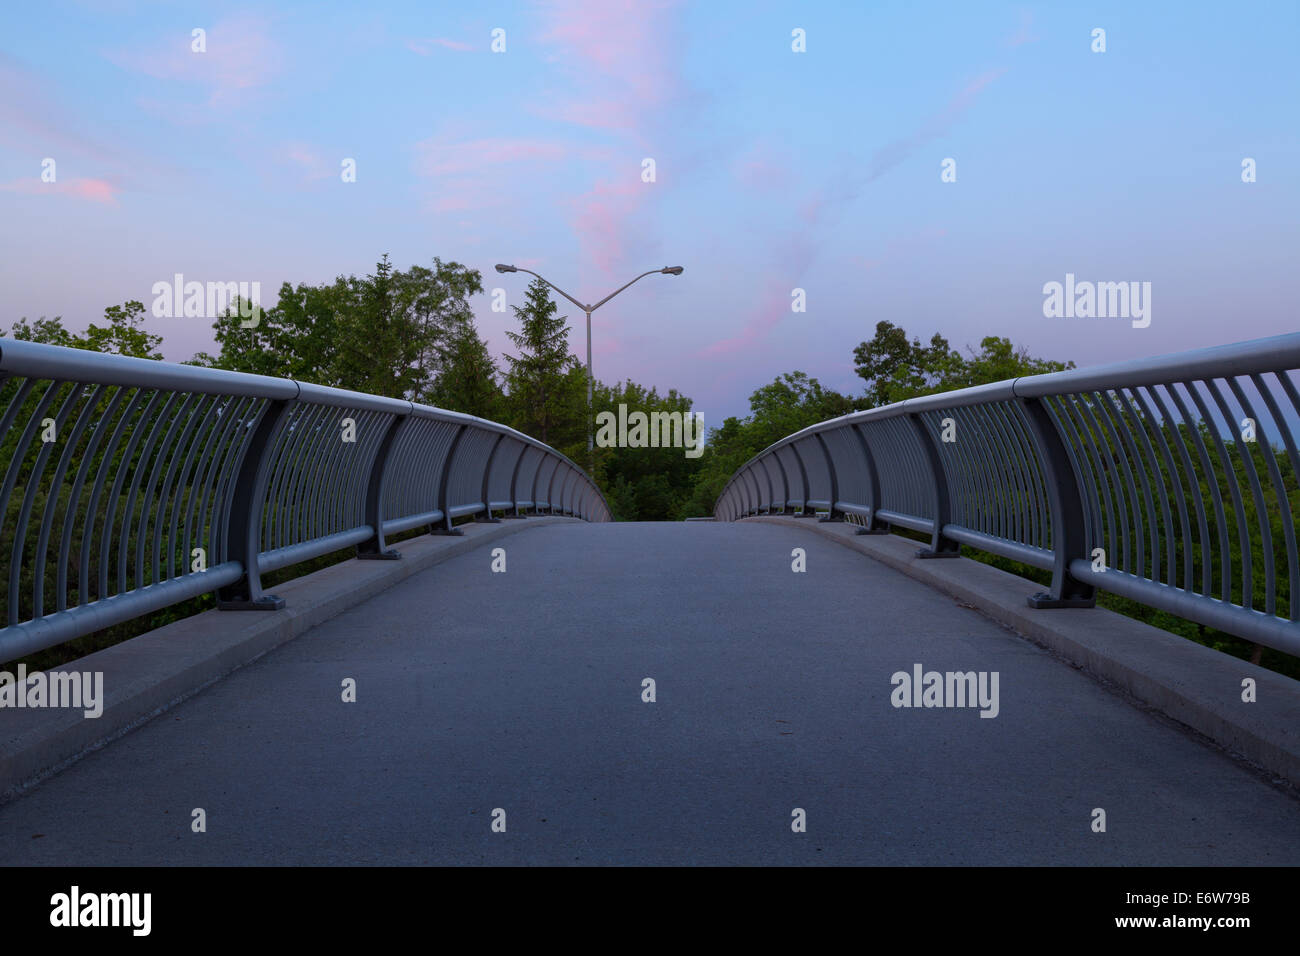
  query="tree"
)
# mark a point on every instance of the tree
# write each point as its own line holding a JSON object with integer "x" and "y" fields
{"x": 122, "y": 335}
{"x": 468, "y": 379}
{"x": 45, "y": 331}
{"x": 791, "y": 402}
{"x": 998, "y": 360}
{"x": 647, "y": 483}
{"x": 896, "y": 369}
{"x": 546, "y": 385}
{"x": 387, "y": 333}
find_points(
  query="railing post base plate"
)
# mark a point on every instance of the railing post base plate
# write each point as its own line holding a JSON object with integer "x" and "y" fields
{"x": 267, "y": 602}
{"x": 872, "y": 531}
{"x": 1044, "y": 599}
{"x": 389, "y": 555}
{"x": 934, "y": 553}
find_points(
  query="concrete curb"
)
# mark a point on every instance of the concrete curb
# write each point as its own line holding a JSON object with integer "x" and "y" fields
{"x": 155, "y": 671}
{"x": 1195, "y": 685}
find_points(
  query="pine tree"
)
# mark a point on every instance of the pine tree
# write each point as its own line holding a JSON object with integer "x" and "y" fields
{"x": 468, "y": 380}
{"x": 541, "y": 381}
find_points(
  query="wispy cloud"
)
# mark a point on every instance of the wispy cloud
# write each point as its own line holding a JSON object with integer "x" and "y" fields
{"x": 620, "y": 54}
{"x": 425, "y": 47}
{"x": 762, "y": 169}
{"x": 240, "y": 57}
{"x": 31, "y": 117}
{"x": 307, "y": 160}
{"x": 621, "y": 62}
{"x": 1025, "y": 33}
{"x": 890, "y": 155}
{"x": 601, "y": 217}
{"x": 799, "y": 250}
{"x": 93, "y": 190}
{"x": 473, "y": 173}
{"x": 440, "y": 157}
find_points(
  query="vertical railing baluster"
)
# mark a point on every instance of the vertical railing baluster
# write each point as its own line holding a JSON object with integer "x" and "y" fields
{"x": 487, "y": 479}
{"x": 874, "y": 525}
{"x": 805, "y": 511}
{"x": 941, "y": 546}
{"x": 834, "y": 514}
{"x": 244, "y": 522}
{"x": 1069, "y": 525}
{"x": 444, "y": 490}
{"x": 374, "y": 548}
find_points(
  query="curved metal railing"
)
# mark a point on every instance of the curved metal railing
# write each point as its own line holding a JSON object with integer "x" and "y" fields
{"x": 1170, "y": 481}
{"x": 131, "y": 485}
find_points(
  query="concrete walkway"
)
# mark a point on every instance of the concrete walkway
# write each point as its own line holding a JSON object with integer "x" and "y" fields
{"x": 523, "y": 691}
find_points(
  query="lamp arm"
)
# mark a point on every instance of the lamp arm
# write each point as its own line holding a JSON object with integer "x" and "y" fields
{"x": 620, "y": 289}
{"x": 562, "y": 292}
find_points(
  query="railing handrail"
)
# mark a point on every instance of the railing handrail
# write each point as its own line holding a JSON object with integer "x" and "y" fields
{"x": 1112, "y": 477}
{"x": 247, "y": 462}
{"x": 1237, "y": 358}
{"x": 44, "y": 361}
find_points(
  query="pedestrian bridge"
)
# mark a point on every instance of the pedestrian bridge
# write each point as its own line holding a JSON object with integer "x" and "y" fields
{"x": 779, "y": 689}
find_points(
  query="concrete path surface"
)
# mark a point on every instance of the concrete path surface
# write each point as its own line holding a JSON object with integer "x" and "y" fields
{"x": 522, "y": 691}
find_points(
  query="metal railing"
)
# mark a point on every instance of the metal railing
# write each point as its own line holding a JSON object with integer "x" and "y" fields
{"x": 131, "y": 485}
{"x": 1170, "y": 481}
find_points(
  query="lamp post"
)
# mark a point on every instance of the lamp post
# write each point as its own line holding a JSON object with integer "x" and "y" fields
{"x": 667, "y": 270}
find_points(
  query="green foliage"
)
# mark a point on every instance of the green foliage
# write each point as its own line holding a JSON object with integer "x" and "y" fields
{"x": 469, "y": 380}
{"x": 895, "y": 368}
{"x": 791, "y": 402}
{"x": 122, "y": 335}
{"x": 546, "y": 385}
{"x": 644, "y": 484}
{"x": 44, "y": 331}
{"x": 389, "y": 333}
{"x": 411, "y": 334}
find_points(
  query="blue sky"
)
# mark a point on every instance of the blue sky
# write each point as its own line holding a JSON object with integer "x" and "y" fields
{"x": 775, "y": 170}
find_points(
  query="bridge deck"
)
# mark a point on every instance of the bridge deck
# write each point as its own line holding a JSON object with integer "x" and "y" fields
{"x": 522, "y": 691}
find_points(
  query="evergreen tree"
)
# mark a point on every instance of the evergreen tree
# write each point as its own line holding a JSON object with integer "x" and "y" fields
{"x": 468, "y": 379}
{"x": 546, "y": 384}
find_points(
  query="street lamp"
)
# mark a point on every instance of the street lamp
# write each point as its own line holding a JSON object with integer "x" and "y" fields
{"x": 667, "y": 270}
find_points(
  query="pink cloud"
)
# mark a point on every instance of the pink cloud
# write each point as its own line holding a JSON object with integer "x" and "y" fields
{"x": 94, "y": 190}
{"x": 468, "y": 174}
{"x": 612, "y": 115}
{"x": 773, "y": 308}
{"x": 621, "y": 46}
{"x": 800, "y": 249}
{"x": 894, "y": 153}
{"x": 791, "y": 260}
{"x": 761, "y": 169}
{"x": 601, "y": 216}
{"x": 621, "y": 60}
{"x": 437, "y": 157}
{"x": 31, "y": 119}
{"x": 1022, "y": 35}
{"x": 311, "y": 165}
{"x": 424, "y": 47}
{"x": 240, "y": 56}
{"x": 466, "y": 195}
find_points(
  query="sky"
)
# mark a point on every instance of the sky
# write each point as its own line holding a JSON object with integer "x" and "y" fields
{"x": 775, "y": 169}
